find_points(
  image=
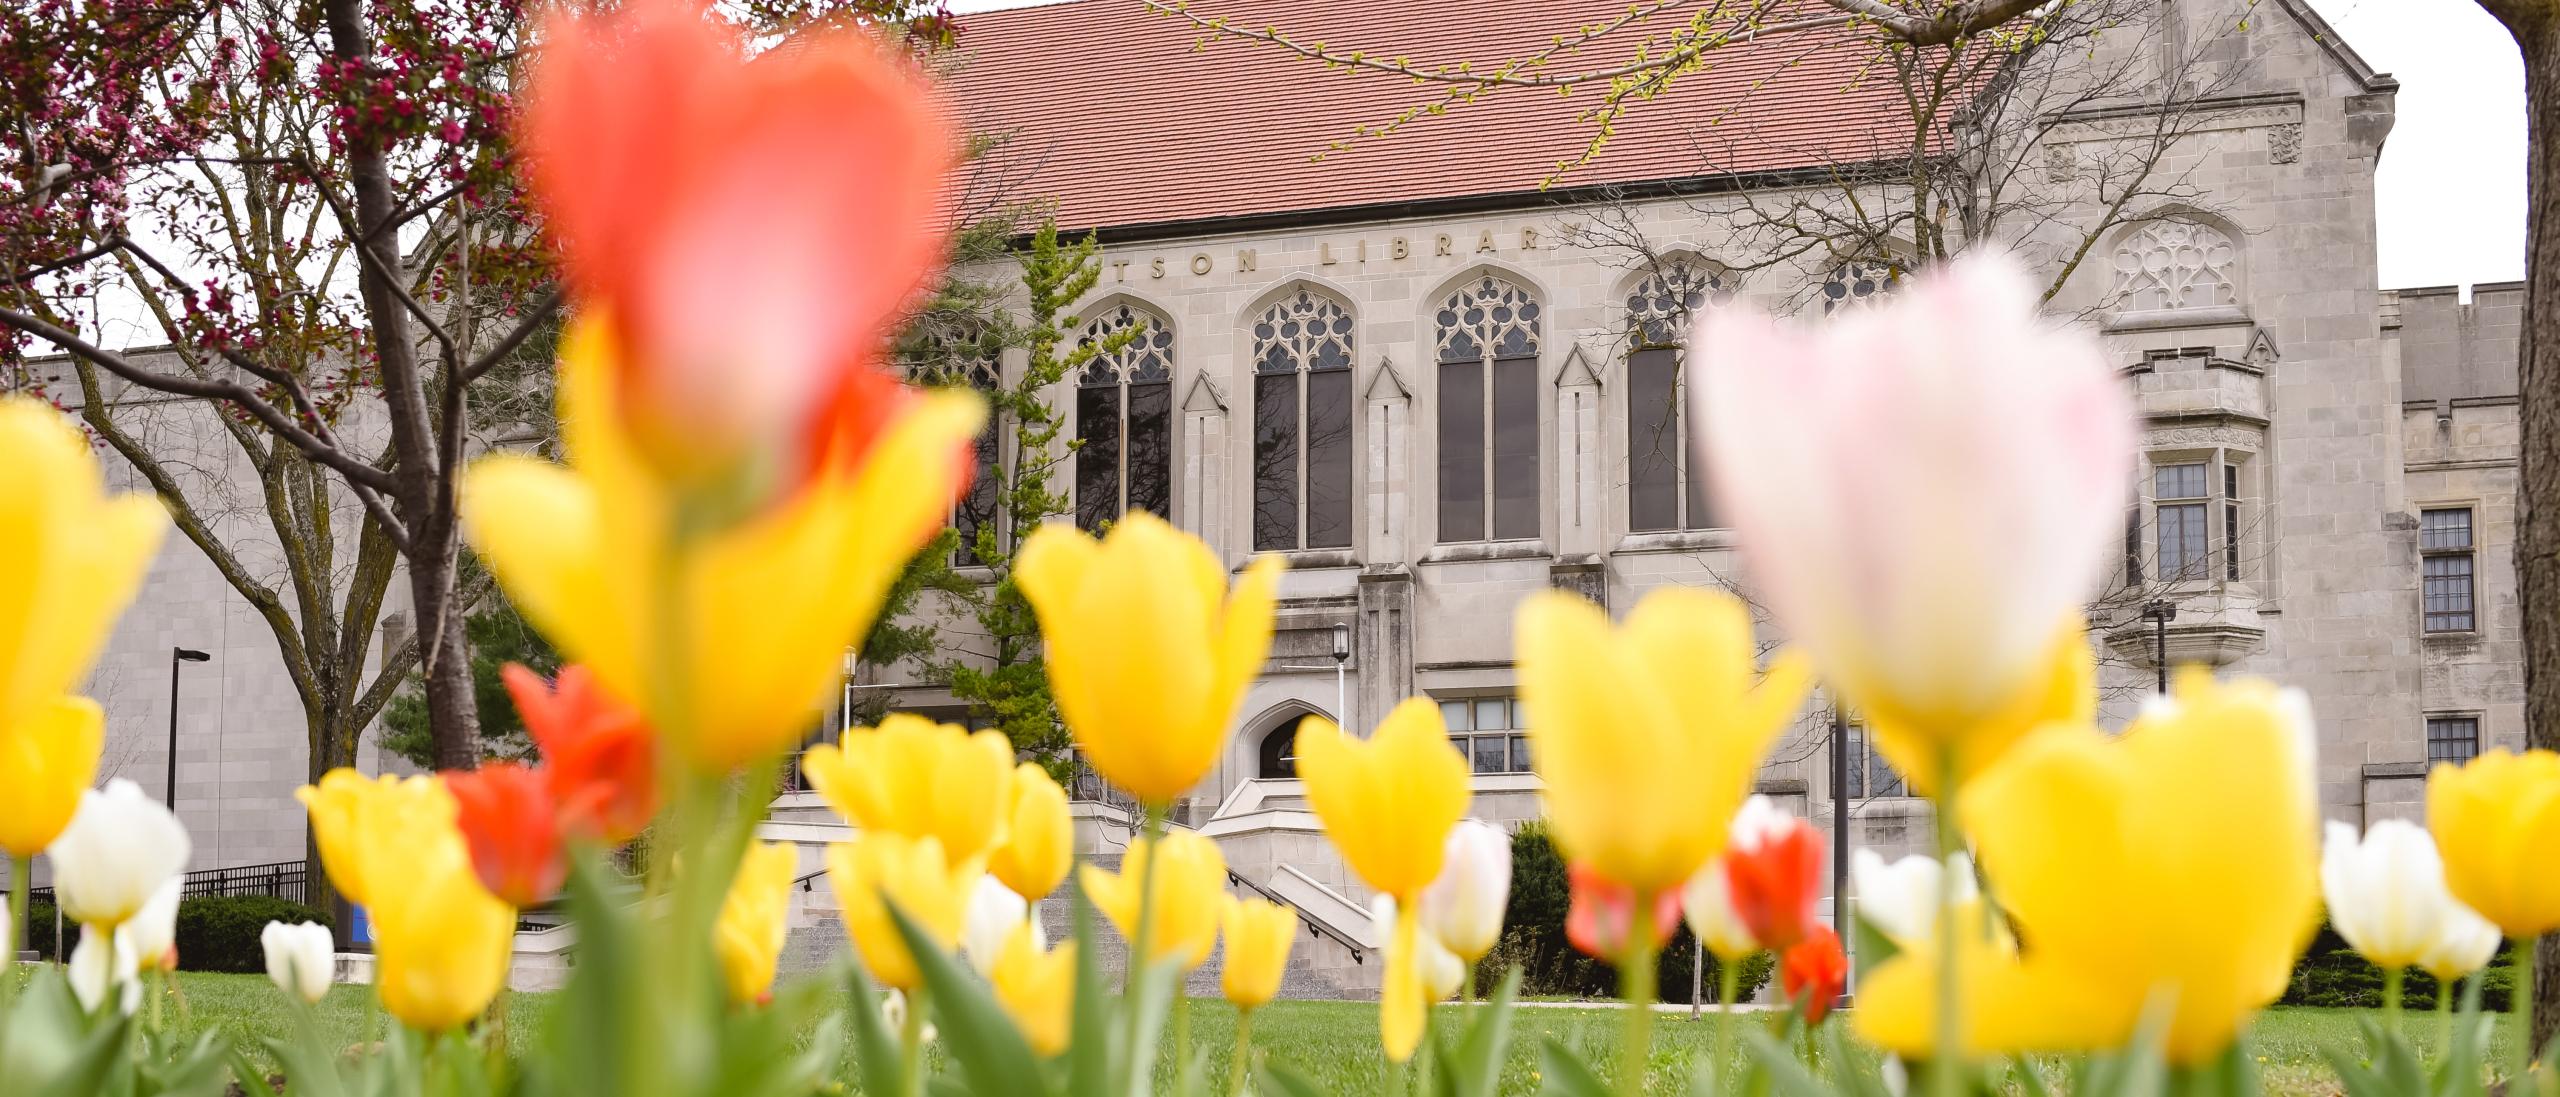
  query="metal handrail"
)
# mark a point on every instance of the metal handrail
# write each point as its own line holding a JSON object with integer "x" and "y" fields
{"x": 1315, "y": 927}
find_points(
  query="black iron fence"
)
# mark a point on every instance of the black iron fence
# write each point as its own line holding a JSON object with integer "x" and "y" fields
{"x": 281, "y": 879}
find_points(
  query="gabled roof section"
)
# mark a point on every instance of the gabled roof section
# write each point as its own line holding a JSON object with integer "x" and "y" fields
{"x": 1140, "y": 123}
{"x": 2346, "y": 55}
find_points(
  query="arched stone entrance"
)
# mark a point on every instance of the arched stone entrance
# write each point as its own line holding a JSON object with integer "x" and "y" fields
{"x": 1276, "y": 741}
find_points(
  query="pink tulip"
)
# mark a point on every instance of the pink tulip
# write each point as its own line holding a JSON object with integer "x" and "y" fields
{"x": 1925, "y": 490}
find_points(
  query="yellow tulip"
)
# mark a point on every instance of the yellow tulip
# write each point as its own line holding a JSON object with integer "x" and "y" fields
{"x": 1388, "y": 803}
{"x": 2497, "y": 821}
{"x": 880, "y": 868}
{"x": 1148, "y": 650}
{"x": 71, "y": 558}
{"x": 360, "y": 824}
{"x": 1647, "y": 736}
{"x": 1258, "y": 934}
{"x": 441, "y": 942}
{"x": 48, "y": 757}
{"x": 1190, "y": 891}
{"x": 2067, "y": 693}
{"x": 735, "y": 661}
{"x": 1040, "y": 837}
{"x": 1037, "y": 989}
{"x": 914, "y": 777}
{"x": 2177, "y": 864}
{"x": 755, "y": 917}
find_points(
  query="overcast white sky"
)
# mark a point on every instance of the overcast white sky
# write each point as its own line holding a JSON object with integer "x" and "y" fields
{"x": 2452, "y": 177}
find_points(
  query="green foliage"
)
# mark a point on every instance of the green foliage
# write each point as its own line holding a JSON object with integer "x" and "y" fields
{"x": 2331, "y": 974}
{"x": 498, "y": 636}
{"x": 39, "y": 928}
{"x": 1533, "y": 937}
{"x": 220, "y": 932}
{"x": 1007, "y": 683}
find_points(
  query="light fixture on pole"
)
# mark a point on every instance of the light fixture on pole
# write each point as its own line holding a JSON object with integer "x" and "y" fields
{"x": 176, "y": 656}
{"x": 2160, "y": 611}
{"x": 1341, "y": 660}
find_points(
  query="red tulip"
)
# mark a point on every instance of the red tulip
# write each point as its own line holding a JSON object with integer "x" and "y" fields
{"x": 1603, "y": 914}
{"x": 506, "y": 816}
{"x": 1773, "y": 870}
{"x": 749, "y": 231}
{"x": 1813, "y": 972}
{"x": 599, "y": 762}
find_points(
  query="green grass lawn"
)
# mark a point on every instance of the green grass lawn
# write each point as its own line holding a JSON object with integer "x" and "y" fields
{"x": 1334, "y": 1042}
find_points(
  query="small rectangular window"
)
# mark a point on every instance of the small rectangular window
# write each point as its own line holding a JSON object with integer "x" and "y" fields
{"x": 2453, "y": 739}
{"x": 1869, "y": 774}
{"x": 1486, "y": 731}
{"x": 1454, "y": 714}
{"x": 2231, "y": 521}
{"x": 2445, "y": 570}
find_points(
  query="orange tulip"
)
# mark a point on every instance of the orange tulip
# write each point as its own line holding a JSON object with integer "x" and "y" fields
{"x": 667, "y": 164}
{"x": 598, "y": 759}
{"x": 508, "y": 820}
{"x": 1601, "y": 921}
{"x": 1773, "y": 873}
{"x": 1813, "y": 972}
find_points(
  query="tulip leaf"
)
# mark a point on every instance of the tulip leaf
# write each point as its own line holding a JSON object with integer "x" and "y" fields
{"x": 1854, "y": 1069}
{"x": 1473, "y": 1068}
{"x": 1286, "y": 1081}
{"x": 2030, "y": 1080}
{"x": 46, "y": 1043}
{"x": 2232, "y": 1074}
{"x": 1871, "y": 947}
{"x": 981, "y": 1038}
{"x": 590, "y": 1043}
{"x": 1564, "y": 1074}
{"x": 1787, "y": 1074}
{"x": 875, "y": 1049}
{"x": 307, "y": 1062}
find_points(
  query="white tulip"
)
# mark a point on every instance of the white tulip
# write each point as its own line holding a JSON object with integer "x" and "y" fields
{"x": 1901, "y": 899}
{"x": 153, "y": 931}
{"x": 2464, "y": 943}
{"x": 103, "y": 962}
{"x": 1925, "y": 489}
{"x": 301, "y": 958}
{"x": 893, "y": 1009}
{"x": 1464, "y": 906}
{"x": 1707, "y": 902}
{"x": 121, "y": 847}
{"x": 1443, "y": 973}
{"x": 993, "y": 912}
{"x": 2386, "y": 893}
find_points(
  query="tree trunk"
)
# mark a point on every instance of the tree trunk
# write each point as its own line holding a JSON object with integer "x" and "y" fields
{"x": 452, "y": 705}
{"x": 2536, "y": 26}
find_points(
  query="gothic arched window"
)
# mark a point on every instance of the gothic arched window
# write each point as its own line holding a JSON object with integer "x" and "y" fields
{"x": 1858, "y": 281}
{"x": 1666, "y": 489}
{"x": 2176, "y": 265}
{"x": 978, "y": 507}
{"x": 1488, "y": 339}
{"x": 1124, "y": 418}
{"x": 1302, "y": 424}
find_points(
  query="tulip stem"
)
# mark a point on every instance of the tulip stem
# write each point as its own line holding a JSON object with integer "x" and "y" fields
{"x": 1942, "y": 1065}
{"x": 1636, "y": 977}
{"x": 15, "y": 919}
{"x": 1142, "y": 961}
{"x": 2392, "y": 980}
{"x": 911, "y": 1040}
{"x": 1728, "y": 987}
{"x": 1238, "y": 1064}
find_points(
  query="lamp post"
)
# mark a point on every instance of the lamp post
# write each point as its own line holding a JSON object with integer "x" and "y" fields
{"x": 2160, "y": 611}
{"x": 1341, "y": 659}
{"x": 177, "y": 656}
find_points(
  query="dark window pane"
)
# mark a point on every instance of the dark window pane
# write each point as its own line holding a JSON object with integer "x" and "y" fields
{"x": 2447, "y": 592}
{"x": 1098, "y": 460}
{"x": 1653, "y": 440}
{"x": 2453, "y": 738}
{"x": 2231, "y": 541}
{"x": 2445, "y": 529}
{"x": 977, "y": 509}
{"x": 1329, "y": 459}
{"x": 1515, "y": 448}
{"x": 1488, "y": 754}
{"x": 1519, "y": 754}
{"x": 1275, "y": 461}
{"x": 1461, "y": 451}
{"x": 2182, "y": 542}
{"x": 1151, "y": 448}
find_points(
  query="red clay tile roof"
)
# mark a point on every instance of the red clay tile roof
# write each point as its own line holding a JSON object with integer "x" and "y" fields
{"x": 1125, "y": 119}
